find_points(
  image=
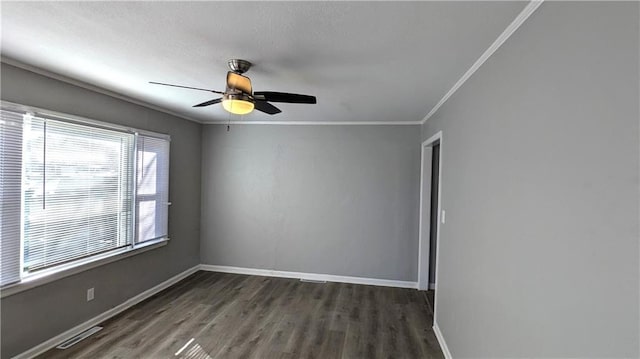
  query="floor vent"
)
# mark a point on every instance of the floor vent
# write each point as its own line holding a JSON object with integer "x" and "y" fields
{"x": 312, "y": 281}
{"x": 75, "y": 340}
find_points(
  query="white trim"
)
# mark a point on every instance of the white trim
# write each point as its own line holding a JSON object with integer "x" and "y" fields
{"x": 441, "y": 341}
{"x": 48, "y": 344}
{"x": 47, "y": 276}
{"x": 428, "y": 143}
{"x": 427, "y": 146}
{"x": 52, "y": 342}
{"x": 313, "y": 123}
{"x": 91, "y": 87}
{"x": 515, "y": 24}
{"x": 309, "y": 276}
{"x": 67, "y": 117}
{"x": 110, "y": 93}
{"x": 423, "y": 282}
{"x": 439, "y": 229}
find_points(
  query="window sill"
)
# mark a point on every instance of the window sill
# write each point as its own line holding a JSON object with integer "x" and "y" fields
{"x": 53, "y": 274}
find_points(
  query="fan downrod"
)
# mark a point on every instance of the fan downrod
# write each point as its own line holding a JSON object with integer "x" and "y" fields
{"x": 239, "y": 66}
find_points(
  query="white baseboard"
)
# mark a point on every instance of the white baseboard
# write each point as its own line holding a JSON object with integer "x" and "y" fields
{"x": 48, "y": 344}
{"x": 52, "y": 342}
{"x": 443, "y": 344}
{"x": 310, "y": 276}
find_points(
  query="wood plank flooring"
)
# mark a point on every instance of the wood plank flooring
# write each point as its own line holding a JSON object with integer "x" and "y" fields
{"x": 215, "y": 315}
{"x": 430, "y": 298}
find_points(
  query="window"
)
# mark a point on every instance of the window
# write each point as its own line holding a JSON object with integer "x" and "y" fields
{"x": 152, "y": 168}
{"x": 74, "y": 189}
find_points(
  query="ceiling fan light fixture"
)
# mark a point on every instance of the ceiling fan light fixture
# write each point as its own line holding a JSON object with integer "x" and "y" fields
{"x": 240, "y": 104}
{"x": 239, "y": 97}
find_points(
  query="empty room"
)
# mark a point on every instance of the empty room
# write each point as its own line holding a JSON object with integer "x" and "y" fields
{"x": 320, "y": 179}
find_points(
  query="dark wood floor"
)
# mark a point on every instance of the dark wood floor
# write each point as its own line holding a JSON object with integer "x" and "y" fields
{"x": 430, "y": 298}
{"x": 239, "y": 316}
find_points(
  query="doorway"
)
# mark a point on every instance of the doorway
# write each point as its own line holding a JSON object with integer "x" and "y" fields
{"x": 430, "y": 217}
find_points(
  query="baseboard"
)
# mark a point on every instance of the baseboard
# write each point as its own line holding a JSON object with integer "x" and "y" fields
{"x": 44, "y": 346}
{"x": 443, "y": 344}
{"x": 52, "y": 342}
{"x": 310, "y": 276}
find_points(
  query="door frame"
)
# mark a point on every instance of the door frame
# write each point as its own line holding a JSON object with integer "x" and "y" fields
{"x": 425, "y": 209}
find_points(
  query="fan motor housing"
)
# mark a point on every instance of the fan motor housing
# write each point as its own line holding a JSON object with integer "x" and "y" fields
{"x": 239, "y": 66}
{"x": 237, "y": 96}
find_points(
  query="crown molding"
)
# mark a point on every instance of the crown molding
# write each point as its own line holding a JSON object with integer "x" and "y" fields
{"x": 515, "y": 24}
{"x": 110, "y": 93}
{"x": 315, "y": 123}
{"x": 91, "y": 87}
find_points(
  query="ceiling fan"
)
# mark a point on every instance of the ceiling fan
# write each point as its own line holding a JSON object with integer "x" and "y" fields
{"x": 239, "y": 98}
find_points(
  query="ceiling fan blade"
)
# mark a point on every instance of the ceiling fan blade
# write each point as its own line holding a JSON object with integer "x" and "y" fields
{"x": 283, "y": 97}
{"x": 208, "y": 103}
{"x": 238, "y": 82}
{"x": 186, "y": 87}
{"x": 266, "y": 107}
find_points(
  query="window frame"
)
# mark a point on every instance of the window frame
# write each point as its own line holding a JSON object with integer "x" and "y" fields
{"x": 54, "y": 273}
{"x": 139, "y": 198}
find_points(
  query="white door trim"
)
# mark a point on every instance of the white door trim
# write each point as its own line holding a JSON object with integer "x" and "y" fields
{"x": 425, "y": 208}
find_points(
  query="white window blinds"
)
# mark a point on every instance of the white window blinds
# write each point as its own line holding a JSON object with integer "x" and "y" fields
{"x": 152, "y": 188}
{"x": 72, "y": 188}
{"x": 76, "y": 191}
{"x": 10, "y": 194}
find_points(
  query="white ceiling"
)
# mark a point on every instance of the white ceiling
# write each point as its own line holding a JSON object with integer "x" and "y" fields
{"x": 365, "y": 61}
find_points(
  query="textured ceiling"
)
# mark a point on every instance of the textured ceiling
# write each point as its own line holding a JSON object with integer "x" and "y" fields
{"x": 365, "y": 61}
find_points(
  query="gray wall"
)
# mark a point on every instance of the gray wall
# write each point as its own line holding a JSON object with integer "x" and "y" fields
{"x": 339, "y": 200}
{"x": 31, "y": 317}
{"x": 539, "y": 254}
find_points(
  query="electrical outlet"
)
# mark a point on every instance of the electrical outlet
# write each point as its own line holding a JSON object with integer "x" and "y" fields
{"x": 89, "y": 294}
